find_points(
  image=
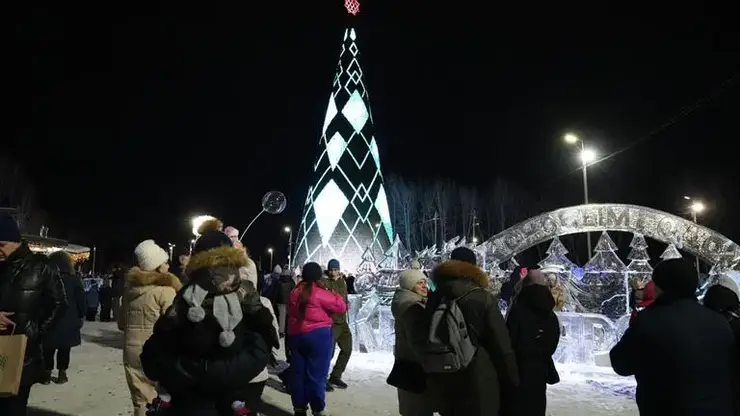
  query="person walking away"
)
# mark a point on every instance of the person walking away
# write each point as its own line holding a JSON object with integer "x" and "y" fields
{"x": 106, "y": 301}
{"x": 286, "y": 284}
{"x": 488, "y": 384}
{"x": 407, "y": 308}
{"x": 150, "y": 290}
{"x": 724, "y": 301}
{"x": 678, "y": 350}
{"x": 119, "y": 283}
{"x": 310, "y": 323}
{"x": 535, "y": 332}
{"x": 66, "y": 335}
{"x": 341, "y": 334}
{"x": 92, "y": 301}
{"x": 32, "y": 301}
{"x": 350, "y": 280}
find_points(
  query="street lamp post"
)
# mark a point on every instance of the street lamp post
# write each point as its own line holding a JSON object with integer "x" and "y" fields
{"x": 269, "y": 250}
{"x": 172, "y": 247}
{"x": 192, "y": 243}
{"x": 587, "y": 156}
{"x": 696, "y": 207}
{"x": 95, "y": 255}
{"x": 290, "y": 247}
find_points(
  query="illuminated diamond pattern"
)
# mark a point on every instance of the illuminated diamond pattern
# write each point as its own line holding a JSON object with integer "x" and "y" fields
{"x": 347, "y": 198}
{"x": 355, "y": 111}
{"x": 329, "y": 206}
{"x": 335, "y": 148}
{"x": 331, "y": 111}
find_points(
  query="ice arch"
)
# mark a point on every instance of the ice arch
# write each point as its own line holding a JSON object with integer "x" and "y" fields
{"x": 708, "y": 244}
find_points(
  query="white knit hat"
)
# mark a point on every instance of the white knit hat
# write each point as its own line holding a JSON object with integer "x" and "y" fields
{"x": 249, "y": 272}
{"x": 410, "y": 278}
{"x": 149, "y": 255}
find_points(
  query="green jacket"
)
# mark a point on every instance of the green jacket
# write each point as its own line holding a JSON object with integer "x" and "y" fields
{"x": 338, "y": 286}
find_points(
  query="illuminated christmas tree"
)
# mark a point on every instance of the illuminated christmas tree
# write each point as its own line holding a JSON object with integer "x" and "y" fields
{"x": 346, "y": 210}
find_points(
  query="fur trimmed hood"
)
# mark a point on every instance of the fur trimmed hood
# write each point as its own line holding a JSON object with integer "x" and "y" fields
{"x": 137, "y": 277}
{"x": 217, "y": 270}
{"x": 460, "y": 270}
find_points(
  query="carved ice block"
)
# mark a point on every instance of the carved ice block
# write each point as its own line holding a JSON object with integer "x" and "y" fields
{"x": 386, "y": 327}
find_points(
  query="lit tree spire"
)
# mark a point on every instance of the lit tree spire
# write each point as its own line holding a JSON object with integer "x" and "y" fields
{"x": 352, "y": 6}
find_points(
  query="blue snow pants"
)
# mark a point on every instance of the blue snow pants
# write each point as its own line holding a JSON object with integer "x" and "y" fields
{"x": 310, "y": 359}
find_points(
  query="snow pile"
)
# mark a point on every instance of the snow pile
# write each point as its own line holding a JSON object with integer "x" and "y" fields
{"x": 97, "y": 386}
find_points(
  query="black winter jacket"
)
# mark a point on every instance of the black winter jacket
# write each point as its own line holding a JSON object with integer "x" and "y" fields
{"x": 535, "y": 333}
{"x": 488, "y": 385}
{"x": 66, "y": 334}
{"x": 679, "y": 353}
{"x": 32, "y": 289}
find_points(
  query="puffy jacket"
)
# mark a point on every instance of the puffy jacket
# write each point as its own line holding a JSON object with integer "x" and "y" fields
{"x": 33, "y": 290}
{"x": 321, "y": 305}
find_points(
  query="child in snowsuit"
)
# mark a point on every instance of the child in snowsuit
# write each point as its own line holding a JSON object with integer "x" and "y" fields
{"x": 212, "y": 318}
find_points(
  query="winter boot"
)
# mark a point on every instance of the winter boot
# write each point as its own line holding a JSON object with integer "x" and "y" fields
{"x": 62, "y": 377}
{"x": 297, "y": 411}
{"x": 337, "y": 382}
{"x": 329, "y": 387}
{"x": 46, "y": 378}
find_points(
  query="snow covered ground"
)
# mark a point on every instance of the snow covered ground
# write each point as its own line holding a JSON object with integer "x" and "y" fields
{"x": 97, "y": 387}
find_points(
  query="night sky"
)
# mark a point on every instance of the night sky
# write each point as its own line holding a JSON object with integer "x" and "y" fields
{"x": 133, "y": 120}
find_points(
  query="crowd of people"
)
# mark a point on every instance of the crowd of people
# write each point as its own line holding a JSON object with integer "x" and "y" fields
{"x": 200, "y": 341}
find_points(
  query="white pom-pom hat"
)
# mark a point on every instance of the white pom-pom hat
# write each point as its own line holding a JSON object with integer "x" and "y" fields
{"x": 149, "y": 255}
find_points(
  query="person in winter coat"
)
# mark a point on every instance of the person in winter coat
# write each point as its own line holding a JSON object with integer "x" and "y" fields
{"x": 257, "y": 384}
{"x": 106, "y": 300}
{"x": 341, "y": 334}
{"x": 32, "y": 301}
{"x": 724, "y": 301}
{"x": 407, "y": 308}
{"x": 66, "y": 335}
{"x": 488, "y": 385}
{"x": 535, "y": 332}
{"x": 92, "y": 301}
{"x": 215, "y": 315}
{"x": 310, "y": 322}
{"x": 647, "y": 297}
{"x": 285, "y": 286}
{"x": 677, "y": 350}
{"x": 150, "y": 290}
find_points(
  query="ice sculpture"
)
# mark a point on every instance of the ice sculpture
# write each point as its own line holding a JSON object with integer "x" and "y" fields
{"x": 639, "y": 270}
{"x": 584, "y": 336}
{"x": 606, "y": 280}
{"x": 671, "y": 252}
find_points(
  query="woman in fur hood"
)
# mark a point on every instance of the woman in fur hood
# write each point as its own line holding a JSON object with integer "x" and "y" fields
{"x": 149, "y": 291}
{"x": 217, "y": 330}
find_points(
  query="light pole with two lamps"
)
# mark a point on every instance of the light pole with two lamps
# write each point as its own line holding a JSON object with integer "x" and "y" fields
{"x": 696, "y": 207}
{"x": 587, "y": 156}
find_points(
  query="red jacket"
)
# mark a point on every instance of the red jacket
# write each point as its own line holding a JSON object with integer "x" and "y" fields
{"x": 648, "y": 297}
{"x": 321, "y": 305}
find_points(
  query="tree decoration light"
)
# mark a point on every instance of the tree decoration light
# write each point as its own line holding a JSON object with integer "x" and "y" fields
{"x": 352, "y": 6}
{"x": 346, "y": 210}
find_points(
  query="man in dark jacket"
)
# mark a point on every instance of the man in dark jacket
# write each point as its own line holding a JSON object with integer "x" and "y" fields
{"x": 677, "y": 350}
{"x": 32, "y": 300}
{"x": 725, "y": 302}
{"x": 341, "y": 334}
{"x": 488, "y": 386}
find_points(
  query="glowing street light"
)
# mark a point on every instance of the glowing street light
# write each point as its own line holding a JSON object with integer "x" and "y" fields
{"x": 198, "y": 221}
{"x": 696, "y": 207}
{"x": 475, "y": 240}
{"x": 269, "y": 250}
{"x": 192, "y": 243}
{"x": 587, "y": 157}
{"x": 290, "y": 246}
